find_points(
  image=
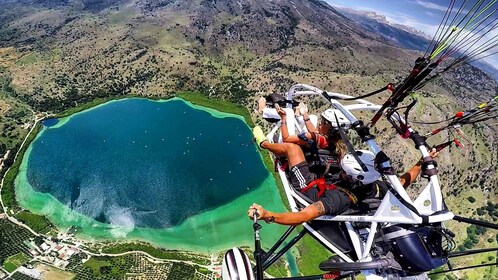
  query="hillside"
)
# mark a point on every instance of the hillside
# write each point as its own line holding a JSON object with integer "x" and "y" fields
{"x": 58, "y": 54}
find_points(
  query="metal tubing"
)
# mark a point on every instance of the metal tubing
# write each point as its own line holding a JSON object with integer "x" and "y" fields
{"x": 275, "y": 257}
{"x": 470, "y": 252}
{"x": 475, "y": 222}
{"x": 312, "y": 277}
{"x": 321, "y": 276}
{"x": 370, "y": 239}
{"x": 358, "y": 248}
{"x": 279, "y": 242}
{"x": 258, "y": 252}
{"x": 463, "y": 268}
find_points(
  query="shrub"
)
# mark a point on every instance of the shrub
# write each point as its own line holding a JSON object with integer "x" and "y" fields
{"x": 480, "y": 212}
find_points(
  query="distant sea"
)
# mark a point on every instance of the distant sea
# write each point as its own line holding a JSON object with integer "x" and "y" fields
{"x": 167, "y": 172}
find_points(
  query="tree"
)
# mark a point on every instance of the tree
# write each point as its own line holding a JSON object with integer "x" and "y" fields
{"x": 480, "y": 212}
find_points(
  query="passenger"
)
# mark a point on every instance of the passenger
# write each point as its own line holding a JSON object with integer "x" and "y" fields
{"x": 329, "y": 201}
{"x": 322, "y": 147}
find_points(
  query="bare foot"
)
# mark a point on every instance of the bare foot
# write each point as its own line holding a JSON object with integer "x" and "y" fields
{"x": 261, "y": 104}
{"x": 302, "y": 108}
{"x": 297, "y": 113}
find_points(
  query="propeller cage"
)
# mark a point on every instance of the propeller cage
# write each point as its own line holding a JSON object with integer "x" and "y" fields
{"x": 417, "y": 250}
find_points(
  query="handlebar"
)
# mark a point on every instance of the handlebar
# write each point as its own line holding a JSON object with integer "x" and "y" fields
{"x": 255, "y": 217}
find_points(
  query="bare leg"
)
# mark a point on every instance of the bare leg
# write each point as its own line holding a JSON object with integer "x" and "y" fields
{"x": 292, "y": 151}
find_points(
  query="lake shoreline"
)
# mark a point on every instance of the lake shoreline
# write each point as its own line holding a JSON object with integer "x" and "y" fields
{"x": 162, "y": 244}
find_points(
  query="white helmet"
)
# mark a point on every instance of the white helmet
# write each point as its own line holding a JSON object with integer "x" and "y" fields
{"x": 354, "y": 170}
{"x": 330, "y": 114}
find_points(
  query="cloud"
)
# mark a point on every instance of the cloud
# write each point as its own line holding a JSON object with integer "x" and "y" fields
{"x": 408, "y": 20}
{"x": 431, "y": 14}
{"x": 357, "y": 8}
{"x": 492, "y": 60}
{"x": 441, "y": 8}
{"x": 488, "y": 41}
{"x": 474, "y": 44}
{"x": 398, "y": 18}
{"x": 432, "y": 6}
{"x": 331, "y": 4}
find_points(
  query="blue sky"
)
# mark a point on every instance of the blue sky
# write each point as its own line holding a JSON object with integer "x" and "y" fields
{"x": 423, "y": 15}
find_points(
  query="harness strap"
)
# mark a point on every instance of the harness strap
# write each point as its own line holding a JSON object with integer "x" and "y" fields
{"x": 323, "y": 186}
{"x": 350, "y": 195}
{"x": 319, "y": 183}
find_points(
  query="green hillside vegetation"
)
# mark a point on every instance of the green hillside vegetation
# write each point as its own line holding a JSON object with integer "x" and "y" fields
{"x": 36, "y": 222}
{"x": 132, "y": 265}
{"x": 12, "y": 239}
{"x": 107, "y": 266}
{"x": 15, "y": 261}
{"x": 201, "y": 99}
{"x": 8, "y": 192}
{"x": 154, "y": 251}
{"x": 14, "y": 114}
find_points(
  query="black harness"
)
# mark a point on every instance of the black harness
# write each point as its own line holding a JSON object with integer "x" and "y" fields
{"x": 320, "y": 161}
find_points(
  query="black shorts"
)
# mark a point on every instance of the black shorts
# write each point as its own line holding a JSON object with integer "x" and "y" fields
{"x": 334, "y": 201}
{"x": 301, "y": 176}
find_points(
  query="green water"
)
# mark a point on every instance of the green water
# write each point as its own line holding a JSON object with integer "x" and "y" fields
{"x": 216, "y": 228}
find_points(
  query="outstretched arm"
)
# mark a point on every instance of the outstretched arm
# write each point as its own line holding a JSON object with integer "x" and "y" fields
{"x": 285, "y": 130}
{"x": 412, "y": 174}
{"x": 309, "y": 213}
{"x": 303, "y": 110}
{"x": 309, "y": 125}
{"x": 283, "y": 124}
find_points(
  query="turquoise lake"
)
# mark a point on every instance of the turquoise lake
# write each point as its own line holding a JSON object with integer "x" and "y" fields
{"x": 166, "y": 172}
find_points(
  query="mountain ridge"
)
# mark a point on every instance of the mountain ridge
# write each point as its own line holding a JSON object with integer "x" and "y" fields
{"x": 402, "y": 35}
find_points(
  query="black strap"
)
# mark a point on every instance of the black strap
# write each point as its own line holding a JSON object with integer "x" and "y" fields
{"x": 349, "y": 145}
{"x": 362, "y": 96}
{"x": 401, "y": 90}
{"x": 425, "y": 219}
{"x": 380, "y": 158}
{"x": 441, "y": 146}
